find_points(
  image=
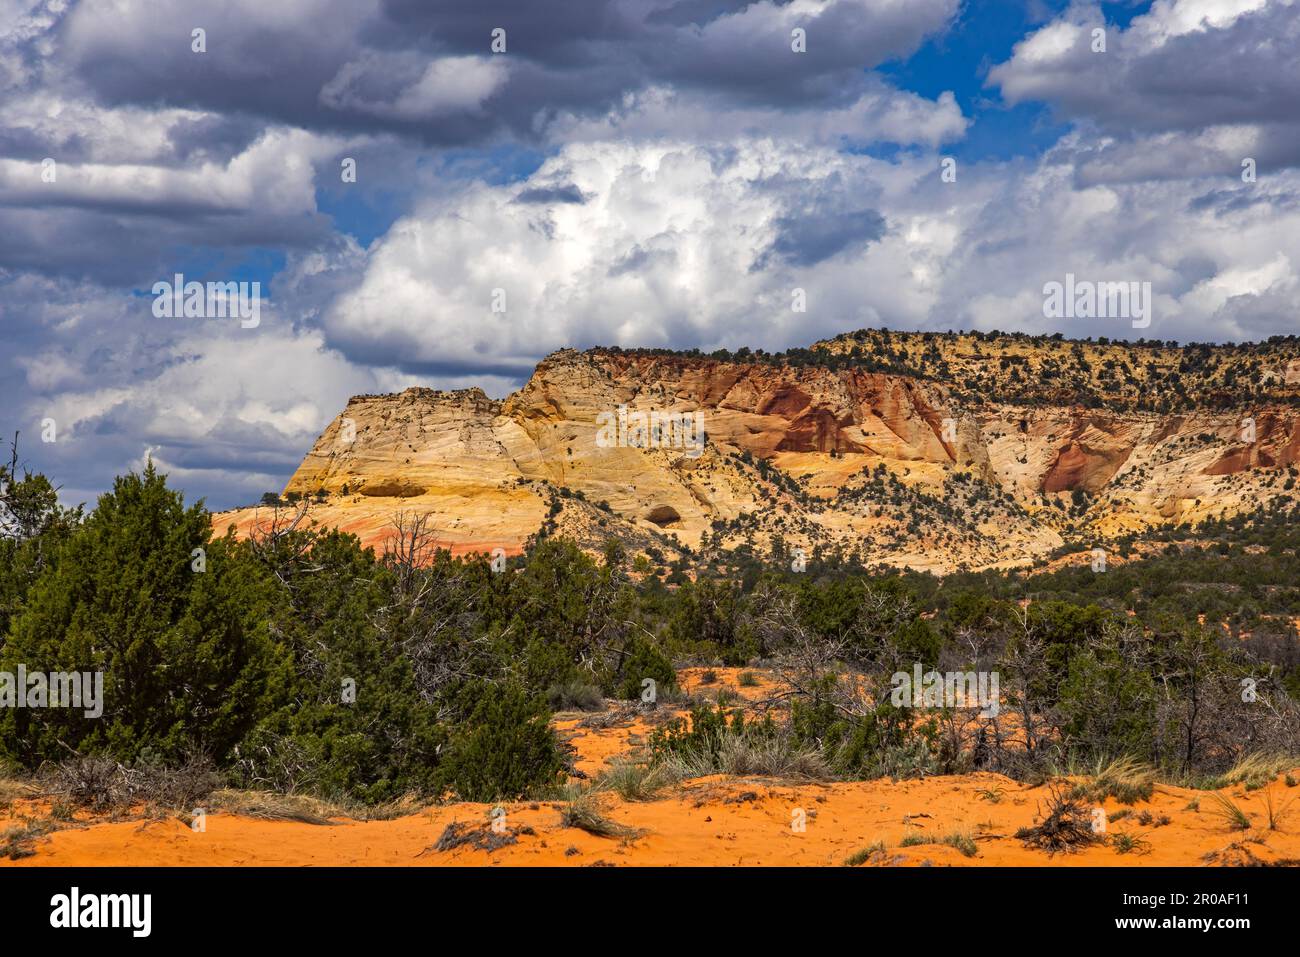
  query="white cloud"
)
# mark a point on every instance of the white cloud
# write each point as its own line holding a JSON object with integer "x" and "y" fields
{"x": 1175, "y": 18}
{"x": 273, "y": 176}
{"x": 1210, "y": 295}
{"x": 673, "y": 245}
{"x": 881, "y": 114}
{"x": 707, "y": 252}
{"x": 448, "y": 85}
{"x": 1189, "y": 88}
{"x": 223, "y": 406}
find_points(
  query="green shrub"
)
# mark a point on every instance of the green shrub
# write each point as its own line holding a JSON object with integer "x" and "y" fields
{"x": 646, "y": 661}
{"x": 704, "y": 732}
{"x": 187, "y": 659}
{"x": 1107, "y": 706}
{"x": 886, "y": 741}
{"x": 351, "y": 723}
{"x": 574, "y": 696}
{"x": 504, "y": 749}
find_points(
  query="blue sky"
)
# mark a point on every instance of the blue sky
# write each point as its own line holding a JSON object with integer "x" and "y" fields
{"x": 631, "y": 172}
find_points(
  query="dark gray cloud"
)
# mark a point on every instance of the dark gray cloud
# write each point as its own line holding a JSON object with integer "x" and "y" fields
{"x": 641, "y": 260}
{"x": 211, "y": 137}
{"x": 578, "y": 57}
{"x": 118, "y": 243}
{"x": 545, "y": 195}
{"x": 1224, "y": 202}
{"x": 819, "y": 232}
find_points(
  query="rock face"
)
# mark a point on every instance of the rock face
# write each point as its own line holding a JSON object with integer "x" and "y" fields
{"x": 674, "y": 450}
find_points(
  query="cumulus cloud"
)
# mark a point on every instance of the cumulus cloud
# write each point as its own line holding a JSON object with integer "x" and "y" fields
{"x": 403, "y": 87}
{"x": 692, "y": 246}
{"x": 1188, "y": 88}
{"x": 427, "y": 70}
{"x": 1212, "y": 255}
{"x": 670, "y": 244}
{"x": 880, "y": 114}
{"x": 226, "y": 404}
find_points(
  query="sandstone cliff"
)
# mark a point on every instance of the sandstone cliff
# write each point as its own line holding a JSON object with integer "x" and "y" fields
{"x": 976, "y": 469}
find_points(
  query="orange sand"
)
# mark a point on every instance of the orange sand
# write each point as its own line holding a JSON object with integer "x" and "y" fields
{"x": 708, "y": 821}
{"x": 714, "y": 821}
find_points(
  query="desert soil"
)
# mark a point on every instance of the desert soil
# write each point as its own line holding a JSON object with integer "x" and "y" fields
{"x": 712, "y": 821}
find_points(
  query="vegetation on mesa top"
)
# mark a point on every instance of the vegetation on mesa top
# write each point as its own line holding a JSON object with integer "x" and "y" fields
{"x": 1115, "y": 375}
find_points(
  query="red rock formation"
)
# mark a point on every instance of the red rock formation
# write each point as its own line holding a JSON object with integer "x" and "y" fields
{"x": 474, "y": 461}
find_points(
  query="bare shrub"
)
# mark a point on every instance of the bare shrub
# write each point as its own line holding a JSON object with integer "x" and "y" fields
{"x": 103, "y": 784}
{"x": 1067, "y": 826}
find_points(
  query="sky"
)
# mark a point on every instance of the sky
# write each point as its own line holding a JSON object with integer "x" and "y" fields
{"x": 653, "y": 173}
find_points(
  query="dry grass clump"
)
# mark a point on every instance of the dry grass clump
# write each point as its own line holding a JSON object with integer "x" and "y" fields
{"x": 1228, "y": 811}
{"x": 1256, "y": 770}
{"x": 1235, "y": 817}
{"x": 583, "y": 812}
{"x": 1126, "y": 779}
{"x": 963, "y": 841}
{"x": 637, "y": 780}
{"x": 404, "y": 806}
{"x": 1277, "y": 813}
{"x": 1147, "y": 819}
{"x": 744, "y": 755}
{"x": 1125, "y": 843}
{"x": 269, "y": 806}
{"x": 611, "y": 718}
{"x": 13, "y": 789}
{"x": 16, "y": 841}
{"x": 864, "y": 854}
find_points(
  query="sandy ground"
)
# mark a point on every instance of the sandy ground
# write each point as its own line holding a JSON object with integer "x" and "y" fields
{"x": 712, "y": 821}
{"x": 708, "y": 821}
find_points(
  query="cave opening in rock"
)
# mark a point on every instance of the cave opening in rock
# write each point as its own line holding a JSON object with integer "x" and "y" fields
{"x": 663, "y": 515}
